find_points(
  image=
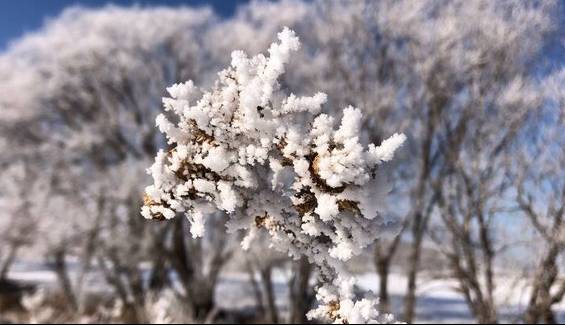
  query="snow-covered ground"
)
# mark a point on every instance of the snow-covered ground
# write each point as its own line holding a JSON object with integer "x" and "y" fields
{"x": 438, "y": 301}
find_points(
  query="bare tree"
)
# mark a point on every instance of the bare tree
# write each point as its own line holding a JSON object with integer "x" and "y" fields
{"x": 540, "y": 196}
{"x": 197, "y": 262}
{"x": 450, "y": 94}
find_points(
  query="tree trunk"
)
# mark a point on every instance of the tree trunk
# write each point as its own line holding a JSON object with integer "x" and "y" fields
{"x": 548, "y": 316}
{"x": 159, "y": 276}
{"x": 419, "y": 220}
{"x": 541, "y": 300}
{"x": 256, "y": 289}
{"x": 61, "y": 271}
{"x": 383, "y": 270}
{"x": 488, "y": 314}
{"x": 134, "y": 314}
{"x": 8, "y": 262}
{"x": 272, "y": 311}
{"x": 300, "y": 292}
{"x": 183, "y": 257}
{"x": 413, "y": 267}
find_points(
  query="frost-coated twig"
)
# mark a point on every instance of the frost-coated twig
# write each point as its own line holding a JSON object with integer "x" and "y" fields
{"x": 274, "y": 164}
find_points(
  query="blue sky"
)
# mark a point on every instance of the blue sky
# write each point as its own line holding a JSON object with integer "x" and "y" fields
{"x": 20, "y": 16}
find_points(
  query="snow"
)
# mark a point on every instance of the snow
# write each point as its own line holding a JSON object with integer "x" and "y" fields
{"x": 437, "y": 299}
{"x": 385, "y": 151}
{"x": 327, "y": 206}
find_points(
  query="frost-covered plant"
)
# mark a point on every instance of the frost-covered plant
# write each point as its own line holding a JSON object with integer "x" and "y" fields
{"x": 275, "y": 164}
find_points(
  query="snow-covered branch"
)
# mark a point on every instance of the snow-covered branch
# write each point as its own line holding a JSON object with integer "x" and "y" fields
{"x": 274, "y": 164}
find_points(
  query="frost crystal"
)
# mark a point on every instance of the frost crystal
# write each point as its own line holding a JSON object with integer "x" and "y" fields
{"x": 337, "y": 305}
{"x": 273, "y": 164}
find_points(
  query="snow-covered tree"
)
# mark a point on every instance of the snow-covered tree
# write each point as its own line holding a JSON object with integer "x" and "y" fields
{"x": 274, "y": 164}
{"x": 540, "y": 196}
{"x": 18, "y": 232}
{"x": 427, "y": 68}
{"x": 86, "y": 132}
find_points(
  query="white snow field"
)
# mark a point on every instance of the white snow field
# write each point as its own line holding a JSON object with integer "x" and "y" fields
{"x": 438, "y": 300}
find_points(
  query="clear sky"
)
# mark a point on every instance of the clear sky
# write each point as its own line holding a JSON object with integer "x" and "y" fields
{"x": 20, "y": 16}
